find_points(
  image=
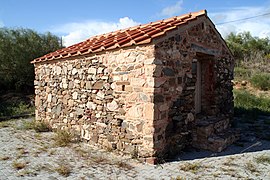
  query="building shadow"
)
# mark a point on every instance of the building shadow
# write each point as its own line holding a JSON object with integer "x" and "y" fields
{"x": 255, "y": 137}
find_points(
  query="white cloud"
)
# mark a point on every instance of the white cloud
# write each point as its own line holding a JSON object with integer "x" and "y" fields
{"x": 259, "y": 26}
{"x": 172, "y": 10}
{"x": 79, "y": 31}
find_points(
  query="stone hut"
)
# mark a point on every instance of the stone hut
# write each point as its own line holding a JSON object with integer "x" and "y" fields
{"x": 149, "y": 90}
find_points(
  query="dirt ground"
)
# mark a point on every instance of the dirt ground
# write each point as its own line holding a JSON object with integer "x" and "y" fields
{"x": 25, "y": 154}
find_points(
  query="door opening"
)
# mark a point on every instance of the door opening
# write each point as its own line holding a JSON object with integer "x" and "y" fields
{"x": 198, "y": 87}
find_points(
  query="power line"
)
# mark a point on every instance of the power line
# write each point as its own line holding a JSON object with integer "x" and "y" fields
{"x": 252, "y": 17}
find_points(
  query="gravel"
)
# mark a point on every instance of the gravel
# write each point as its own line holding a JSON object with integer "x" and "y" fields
{"x": 26, "y": 154}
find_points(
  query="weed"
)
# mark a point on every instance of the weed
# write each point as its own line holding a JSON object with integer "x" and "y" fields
{"x": 64, "y": 169}
{"x": 4, "y": 158}
{"x": 100, "y": 159}
{"x": 21, "y": 153}
{"x": 124, "y": 165}
{"x": 38, "y": 136}
{"x": 261, "y": 81}
{"x": 18, "y": 165}
{"x": 135, "y": 153}
{"x": 5, "y": 124}
{"x": 38, "y": 126}
{"x": 81, "y": 152}
{"x": 41, "y": 126}
{"x": 178, "y": 178}
{"x": 63, "y": 138}
{"x": 251, "y": 167}
{"x": 263, "y": 159}
{"x": 52, "y": 152}
{"x": 193, "y": 167}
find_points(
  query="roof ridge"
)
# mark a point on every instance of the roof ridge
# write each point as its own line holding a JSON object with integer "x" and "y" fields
{"x": 136, "y": 35}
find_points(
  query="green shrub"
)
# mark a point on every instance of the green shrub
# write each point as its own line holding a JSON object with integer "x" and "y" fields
{"x": 38, "y": 126}
{"x": 41, "y": 126}
{"x": 241, "y": 73}
{"x": 261, "y": 81}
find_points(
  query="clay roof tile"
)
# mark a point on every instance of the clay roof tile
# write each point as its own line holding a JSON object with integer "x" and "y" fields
{"x": 137, "y": 35}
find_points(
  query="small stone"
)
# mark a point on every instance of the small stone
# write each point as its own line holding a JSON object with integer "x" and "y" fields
{"x": 65, "y": 85}
{"x": 65, "y": 121}
{"x": 69, "y": 67}
{"x": 58, "y": 70}
{"x": 77, "y": 81}
{"x": 74, "y": 71}
{"x": 178, "y": 118}
{"x": 168, "y": 72}
{"x": 98, "y": 85}
{"x": 70, "y": 84}
{"x": 137, "y": 82}
{"x": 79, "y": 111}
{"x": 243, "y": 83}
{"x": 100, "y": 95}
{"x": 75, "y": 95}
{"x": 163, "y": 107}
{"x": 49, "y": 99}
{"x": 179, "y": 89}
{"x": 190, "y": 117}
{"x": 159, "y": 81}
{"x": 88, "y": 85}
{"x": 70, "y": 102}
{"x": 158, "y": 98}
{"x": 112, "y": 106}
{"x": 100, "y": 70}
{"x": 91, "y": 105}
{"x": 92, "y": 71}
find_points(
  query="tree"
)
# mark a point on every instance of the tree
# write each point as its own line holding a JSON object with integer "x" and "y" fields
{"x": 18, "y": 47}
{"x": 244, "y": 46}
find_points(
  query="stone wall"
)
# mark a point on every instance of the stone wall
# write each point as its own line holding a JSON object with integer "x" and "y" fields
{"x": 107, "y": 98}
{"x": 175, "y": 81}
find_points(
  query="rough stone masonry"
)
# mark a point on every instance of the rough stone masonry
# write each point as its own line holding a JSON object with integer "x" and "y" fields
{"x": 141, "y": 99}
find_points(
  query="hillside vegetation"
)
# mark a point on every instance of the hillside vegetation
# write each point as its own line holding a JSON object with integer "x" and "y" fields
{"x": 252, "y": 74}
{"x": 18, "y": 47}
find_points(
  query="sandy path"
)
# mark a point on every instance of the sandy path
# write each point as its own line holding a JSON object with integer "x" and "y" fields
{"x": 40, "y": 158}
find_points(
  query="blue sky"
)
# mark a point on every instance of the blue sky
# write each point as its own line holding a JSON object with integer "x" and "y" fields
{"x": 78, "y": 20}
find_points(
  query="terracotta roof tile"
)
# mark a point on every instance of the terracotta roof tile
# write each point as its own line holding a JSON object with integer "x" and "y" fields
{"x": 141, "y": 34}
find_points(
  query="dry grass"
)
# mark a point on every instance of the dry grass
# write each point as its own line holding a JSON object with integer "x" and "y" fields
{"x": 19, "y": 165}
{"x": 4, "y": 158}
{"x": 124, "y": 165}
{"x": 193, "y": 167}
{"x": 38, "y": 126}
{"x": 251, "y": 167}
{"x": 21, "y": 153}
{"x": 64, "y": 138}
{"x": 100, "y": 159}
{"x": 81, "y": 152}
{"x": 263, "y": 159}
{"x": 63, "y": 169}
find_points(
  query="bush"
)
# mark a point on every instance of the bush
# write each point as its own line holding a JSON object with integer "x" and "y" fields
{"x": 261, "y": 81}
{"x": 242, "y": 73}
{"x": 64, "y": 138}
{"x": 38, "y": 126}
